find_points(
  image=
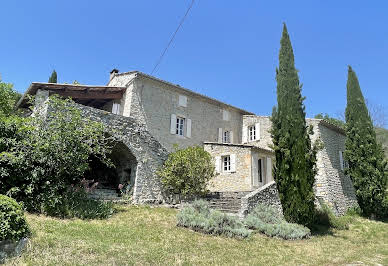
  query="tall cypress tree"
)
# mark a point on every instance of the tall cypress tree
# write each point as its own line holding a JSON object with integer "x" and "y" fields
{"x": 53, "y": 77}
{"x": 364, "y": 155}
{"x": 294, "y": 169}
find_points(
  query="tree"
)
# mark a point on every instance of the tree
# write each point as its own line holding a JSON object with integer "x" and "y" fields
{"x": 187, "y": 172}
{"x": 41, "y": 157}
{"x": 365, "y": 157}
{"x": 53, "y": 77}
{"x": 295, "y": 166}
{"x": 334, "y": 121}
{"x": 8, "y": 98}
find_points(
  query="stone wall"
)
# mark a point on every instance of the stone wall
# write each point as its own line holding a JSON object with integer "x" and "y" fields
{"x": 267, "y": 194}
{"x": 153, "y": 102}
{"x": 239, "y": 180}
{"x": 149, "y": 153}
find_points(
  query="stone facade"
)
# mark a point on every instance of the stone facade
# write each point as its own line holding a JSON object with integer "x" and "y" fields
{"x": 155, "y": 115}
{"x": 243, "y": 168}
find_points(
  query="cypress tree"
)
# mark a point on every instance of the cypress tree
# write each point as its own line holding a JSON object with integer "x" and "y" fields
{"x": 294, "y": 169}
{"x": 53, "y": 77}
{"x": 365, "y": 157}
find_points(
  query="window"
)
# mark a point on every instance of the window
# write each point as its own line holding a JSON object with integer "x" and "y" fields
{"x": 182, "y": 101}
{"x": 180, "y": 123}
{"x": 225, "y": 115}
{"x": 226, "y": 138}
{"x": 343, "y": 162}
{"x": 252, "y": 133}
{"x": 260, "y": 171}
{"x": 226, "y": 163}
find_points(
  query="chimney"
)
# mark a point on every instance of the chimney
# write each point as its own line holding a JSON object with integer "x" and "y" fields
{"x": 113, "y": 73}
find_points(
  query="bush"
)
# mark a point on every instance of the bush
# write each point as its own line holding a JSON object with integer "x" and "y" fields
{"x": 187, "y": 172}
{"x": 13, "y": 224}
{"x": 267, "y": 220}
{"x": 200, "y": 217}
{"x": 76, "y": 203}
{"x": 326, "y": 217}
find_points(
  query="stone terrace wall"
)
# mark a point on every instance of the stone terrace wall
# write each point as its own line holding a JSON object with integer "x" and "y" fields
{"x": 267, "y": 194}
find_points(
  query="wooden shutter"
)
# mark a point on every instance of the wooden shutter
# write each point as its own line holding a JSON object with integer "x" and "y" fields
{"x": 188, "y": 129}
{"x": 231, "y": 136}
{"x": 257, "y": 127}
{"x": 244, "y": 134}
{"x": 173, "y": 124}
{"x": 116, "y": 108}
{"x": 233, "y": 162}
{"x": 341, "y": 158}
{"x": 182, "y": 101}
{"x": 220, "y": 135}
{"x": 218, "y": 164}
{"x": 269, "y": 177}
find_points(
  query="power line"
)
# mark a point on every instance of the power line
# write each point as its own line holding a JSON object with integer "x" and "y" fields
{"x": 173, "y": 36}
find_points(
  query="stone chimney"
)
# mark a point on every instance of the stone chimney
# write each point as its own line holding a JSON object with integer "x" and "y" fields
{"x": 113, "y": 73}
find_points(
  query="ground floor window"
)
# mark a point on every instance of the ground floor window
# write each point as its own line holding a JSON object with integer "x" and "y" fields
{"x": 226, "y": 163}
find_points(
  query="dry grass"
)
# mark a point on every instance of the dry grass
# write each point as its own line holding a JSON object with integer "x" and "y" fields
{"x": 149, "y": 236}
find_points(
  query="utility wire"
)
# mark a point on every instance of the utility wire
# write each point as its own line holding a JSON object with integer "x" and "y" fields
{"x": 173, "y": 36}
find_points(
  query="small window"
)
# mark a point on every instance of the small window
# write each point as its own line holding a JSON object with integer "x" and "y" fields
{"x": 226, "y": 163}
{"x": 252, "y": 133}
{"x": 260, "y": 170}
{"x": 182, "y": 101}
{"x": 226, "y": 137}
{"x": 225, "y": 115}
{"x": 180, "y": 125}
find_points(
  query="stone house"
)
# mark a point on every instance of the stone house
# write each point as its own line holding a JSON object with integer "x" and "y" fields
{"x": 169, "y": 115}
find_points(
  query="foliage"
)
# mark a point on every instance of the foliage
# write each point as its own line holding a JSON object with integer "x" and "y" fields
{"x": 382, "y": 137}
{"x": 187, "y": 171}
{"x": 13, "y": 224}
{"x": 326, "y": 217}
{"x": 8, "y": 99}
{"x": 201, "y": 218}
{"x": 267, "y": 220}
{"x": 295, "y": 166}
{"x": 42, "y": 157}
{"x": 331, "y": 120}
{"x": 367, "y": 167}
{"x": 53, "y": 78}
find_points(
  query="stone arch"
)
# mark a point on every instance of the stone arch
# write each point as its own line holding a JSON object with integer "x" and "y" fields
{"x": 140, "y": 146}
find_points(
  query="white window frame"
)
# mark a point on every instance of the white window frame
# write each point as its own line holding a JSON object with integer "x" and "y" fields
{"x": 226, "y": 164}
{"x": 252, "y": 133}
{"x": 180, "y": 126}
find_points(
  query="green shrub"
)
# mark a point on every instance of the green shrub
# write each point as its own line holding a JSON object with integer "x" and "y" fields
{"x": 187, "y": 172}
{"x": 200, "y": 217}
{"x": 326, "y": 217}
{"x": 268, "y": 221}
{"x": 76, "y": 203}
{"x": 13, "y": 224}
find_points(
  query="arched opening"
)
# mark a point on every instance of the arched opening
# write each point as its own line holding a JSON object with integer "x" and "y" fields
{"x": 123, "y": 173}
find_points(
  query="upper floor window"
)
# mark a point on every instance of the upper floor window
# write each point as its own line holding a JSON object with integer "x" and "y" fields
{"x": 180, "y": 125}
{"x": 182, "y": 101}
{"x": 225, "y": 115}
{"x": 252, "y": 133}
{"x": 226, "y": 137}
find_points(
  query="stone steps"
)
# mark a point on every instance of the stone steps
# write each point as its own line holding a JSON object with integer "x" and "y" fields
{"x": 228, "y": 202}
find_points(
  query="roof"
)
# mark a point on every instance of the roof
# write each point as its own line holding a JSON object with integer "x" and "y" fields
{"x": 329, "y": 125}
{"x": 187, "y": 91}
{"x": 239, "y": 145}
{"x": 75, "y": 91}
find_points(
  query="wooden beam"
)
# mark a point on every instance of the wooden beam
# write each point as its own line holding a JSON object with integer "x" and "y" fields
{"x": 90, "y": 95}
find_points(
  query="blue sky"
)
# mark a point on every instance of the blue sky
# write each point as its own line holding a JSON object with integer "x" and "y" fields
{"x": 225, "y": 49}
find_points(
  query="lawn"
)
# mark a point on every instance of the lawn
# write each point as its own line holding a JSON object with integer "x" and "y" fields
{"x": 144, "y": 235}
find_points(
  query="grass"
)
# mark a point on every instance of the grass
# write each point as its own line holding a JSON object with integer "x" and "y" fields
{"x": 144, "y": 236}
